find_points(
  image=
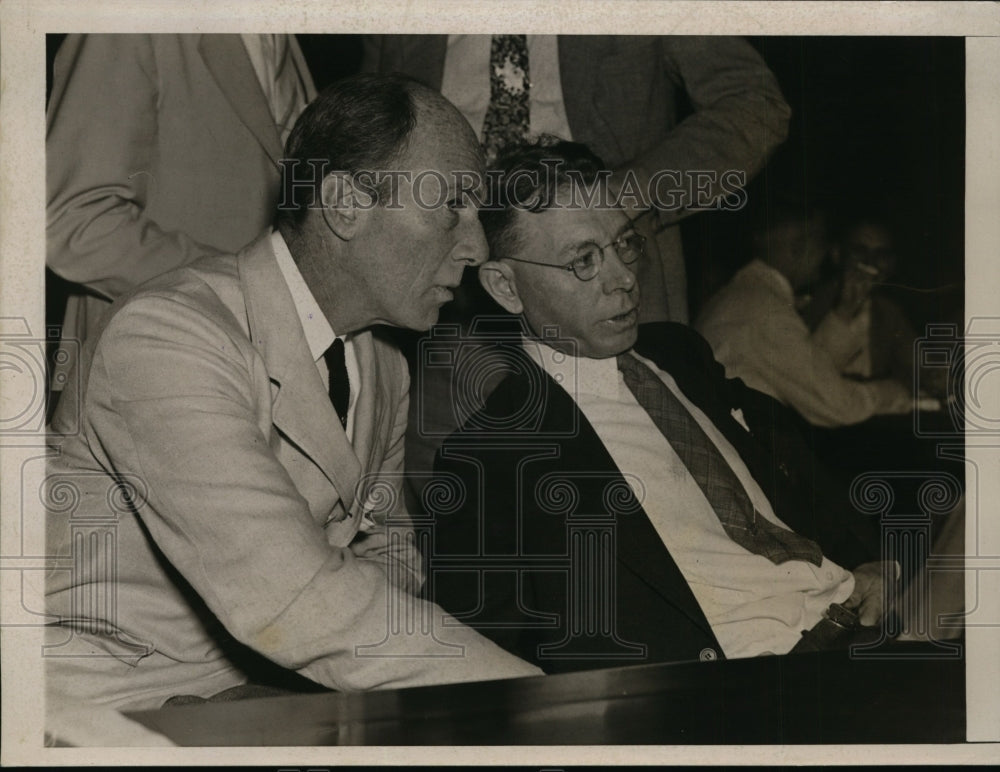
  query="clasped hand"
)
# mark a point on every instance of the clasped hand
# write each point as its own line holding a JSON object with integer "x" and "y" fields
{"x": 868, "y": 600}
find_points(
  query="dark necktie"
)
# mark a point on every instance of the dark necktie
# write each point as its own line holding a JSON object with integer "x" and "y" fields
{"x": 713, "y": 474}
{"x": 506, "y": 121}
{"x": 340, "y": 385}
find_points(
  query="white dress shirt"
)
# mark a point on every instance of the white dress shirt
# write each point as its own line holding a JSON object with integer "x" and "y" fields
{"x": 755, "y": 331}
{"x": 466, "y": 82}
{"x": 319, "y": 334}
{"x": 754, "y": 606}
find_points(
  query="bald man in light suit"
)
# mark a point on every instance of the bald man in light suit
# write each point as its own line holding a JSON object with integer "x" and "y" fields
{"x": 241, "y": 434}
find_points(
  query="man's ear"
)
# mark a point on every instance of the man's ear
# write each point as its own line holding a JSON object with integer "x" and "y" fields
{"x": 344, "y": 204}
{"x": 497, "y": 278}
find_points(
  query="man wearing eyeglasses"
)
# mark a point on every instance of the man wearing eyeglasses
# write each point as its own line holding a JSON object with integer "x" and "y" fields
{"x": 613, "y": 505}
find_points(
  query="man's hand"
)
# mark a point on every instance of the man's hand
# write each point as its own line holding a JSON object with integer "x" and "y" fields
{"x": 856, "y": 290}
{"x": 868, "y": 598}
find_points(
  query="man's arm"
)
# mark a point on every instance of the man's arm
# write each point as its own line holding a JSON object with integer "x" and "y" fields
{"x": 739, "y": 114}
{"x": 770, "y": 347}
{"x": 101, "y": 139}
{"x": 189, "y": 413}
{"x": 806, "y": 377}
{"x": 739, "y": 117}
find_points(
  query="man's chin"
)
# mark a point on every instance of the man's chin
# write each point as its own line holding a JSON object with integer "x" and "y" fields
{"x": 611, "y": 345}
{"x": 628, "y": 338}
{"x": 423, "y": 322}
{"x": 628, "y": 330}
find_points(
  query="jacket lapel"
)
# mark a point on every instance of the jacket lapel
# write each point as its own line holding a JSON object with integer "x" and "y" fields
{"x": 301, "y": 410}
{"x": 640, "y": 549}
{"x": 227, "y": 60}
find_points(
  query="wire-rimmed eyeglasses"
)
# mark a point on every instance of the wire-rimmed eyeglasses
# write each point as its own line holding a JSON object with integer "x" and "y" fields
{"x": 629, "y": 247}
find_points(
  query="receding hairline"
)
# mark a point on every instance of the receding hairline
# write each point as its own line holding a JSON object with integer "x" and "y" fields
{"x": 433, "y": 109}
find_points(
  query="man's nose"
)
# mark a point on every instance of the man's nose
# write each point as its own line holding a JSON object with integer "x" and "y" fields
{"x": 616, "y": 274}
{"x": 472, "y": 248}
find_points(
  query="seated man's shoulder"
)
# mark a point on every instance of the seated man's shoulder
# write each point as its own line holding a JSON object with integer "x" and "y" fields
{"x": 515, "y": 408}
{"x": 514, "y": 404}
{"x": 673, "y": 346}
{"x": 200, "y": 300}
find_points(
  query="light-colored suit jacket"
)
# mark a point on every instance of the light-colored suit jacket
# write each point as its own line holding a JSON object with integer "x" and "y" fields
{"x": 208, "y": 504}
{"x": 622, "y": 95}
{"x": 159, "y": 149}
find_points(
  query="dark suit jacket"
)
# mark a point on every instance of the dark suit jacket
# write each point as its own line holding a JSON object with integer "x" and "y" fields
{"x": 537, "y": 471}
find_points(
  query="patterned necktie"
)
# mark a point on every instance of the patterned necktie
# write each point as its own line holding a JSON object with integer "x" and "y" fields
{"x": 713, "y": 474}
{"x": 506, "y": 121}
{"x": 340, "y": 384}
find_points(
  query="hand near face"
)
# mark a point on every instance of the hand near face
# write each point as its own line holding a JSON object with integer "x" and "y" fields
{"x": 857, "y": 288}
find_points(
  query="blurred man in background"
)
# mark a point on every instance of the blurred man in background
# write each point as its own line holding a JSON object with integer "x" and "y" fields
{"x": 161, "y": 149}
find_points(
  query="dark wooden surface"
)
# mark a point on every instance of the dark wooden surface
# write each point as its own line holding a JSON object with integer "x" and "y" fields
{"x": 913, "y": 696}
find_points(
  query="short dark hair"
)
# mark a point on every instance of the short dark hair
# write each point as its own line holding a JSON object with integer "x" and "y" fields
{"x": 529, "y": 176}
{"x": 359, "y": 123}
{"x": 768, "y": 215}
{"x": 853, "y": 215}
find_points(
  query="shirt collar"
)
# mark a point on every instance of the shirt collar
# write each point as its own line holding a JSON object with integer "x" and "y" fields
{"x": 577, "y": 375}
{"x": 319, "y": 334}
